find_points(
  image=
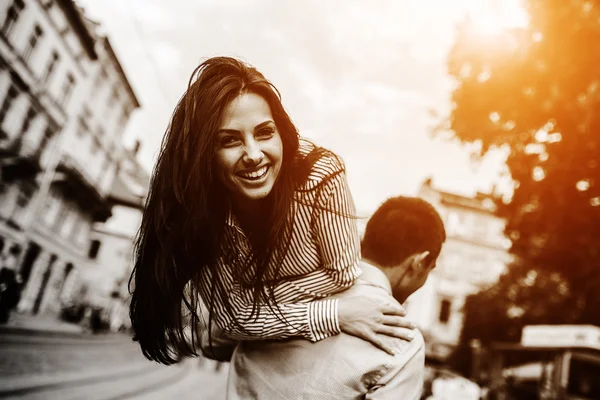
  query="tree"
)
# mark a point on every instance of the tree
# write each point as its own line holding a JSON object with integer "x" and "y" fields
{"x": 535, "y": 91}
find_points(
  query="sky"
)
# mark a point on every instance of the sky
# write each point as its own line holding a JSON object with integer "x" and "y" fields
{"x": 364, "y": 79}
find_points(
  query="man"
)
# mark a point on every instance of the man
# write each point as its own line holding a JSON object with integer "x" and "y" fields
{"x": 402, "y": 241}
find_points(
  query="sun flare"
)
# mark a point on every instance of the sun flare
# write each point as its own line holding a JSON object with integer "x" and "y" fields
{"x": 493, "y": 17}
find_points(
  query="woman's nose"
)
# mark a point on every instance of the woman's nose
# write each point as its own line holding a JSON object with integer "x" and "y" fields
{"x": 253, "y": 153}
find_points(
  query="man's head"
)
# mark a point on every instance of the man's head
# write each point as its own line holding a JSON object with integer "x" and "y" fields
{"x": 404, "y": 238}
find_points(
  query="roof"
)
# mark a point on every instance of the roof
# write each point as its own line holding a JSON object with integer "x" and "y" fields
{"x": 119, "y": 68}
{"x": 75, "y": 17}
{"x": 480, "y": 202}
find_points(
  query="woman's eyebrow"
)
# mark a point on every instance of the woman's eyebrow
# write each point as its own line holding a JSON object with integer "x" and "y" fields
{"x": 263, "y": 124}
{"x": 237, "y": 132}
{"x": 229, "y": 131}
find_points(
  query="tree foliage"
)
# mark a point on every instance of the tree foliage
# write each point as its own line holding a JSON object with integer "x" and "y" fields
{"x": 535, "y": 90}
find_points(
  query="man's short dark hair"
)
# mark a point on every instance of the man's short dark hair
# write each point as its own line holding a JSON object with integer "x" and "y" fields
{"x": 401, "y": 227}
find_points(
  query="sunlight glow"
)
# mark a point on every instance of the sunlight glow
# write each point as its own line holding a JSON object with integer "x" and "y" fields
{"x": 538, "y": 174}
{"x": 493, "y": 17}
{"x": 583, "y": 185}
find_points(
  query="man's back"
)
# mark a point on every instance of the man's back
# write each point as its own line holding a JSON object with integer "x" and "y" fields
{"x": 339, "y": 367}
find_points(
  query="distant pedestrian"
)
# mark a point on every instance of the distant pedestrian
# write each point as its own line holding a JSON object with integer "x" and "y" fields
{"x": 10, "y": 259}
{"x": 10, "y": 293}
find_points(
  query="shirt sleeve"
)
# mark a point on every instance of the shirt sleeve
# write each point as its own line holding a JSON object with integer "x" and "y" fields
{"x": 403, "y": 378}
{"x": 311, "y": 320}
{"x": 337, "y": 234}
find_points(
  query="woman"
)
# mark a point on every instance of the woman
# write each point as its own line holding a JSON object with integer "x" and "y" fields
{"x": 252, "y": 221}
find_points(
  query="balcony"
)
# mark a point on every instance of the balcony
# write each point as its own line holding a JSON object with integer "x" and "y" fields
{"x": 18, "y": 162}
{"x": 71, "y": 179}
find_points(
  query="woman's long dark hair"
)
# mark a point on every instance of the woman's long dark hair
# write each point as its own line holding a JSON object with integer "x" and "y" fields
{"x": 180, "y": 238}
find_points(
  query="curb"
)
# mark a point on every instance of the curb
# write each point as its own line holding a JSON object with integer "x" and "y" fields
{"x": 24, "y": 385}
{"x": 16, "y": 330}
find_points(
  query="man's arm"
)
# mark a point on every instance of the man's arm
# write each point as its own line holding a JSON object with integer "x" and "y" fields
{"x": 404, "y": 379}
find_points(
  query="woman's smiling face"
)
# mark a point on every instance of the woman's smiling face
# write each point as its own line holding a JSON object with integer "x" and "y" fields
{"x": 249, "y": 149}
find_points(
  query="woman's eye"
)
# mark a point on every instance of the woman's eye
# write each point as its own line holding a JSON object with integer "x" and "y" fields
{"x": 266, "y": 133}
{"x": 229, "y": 141}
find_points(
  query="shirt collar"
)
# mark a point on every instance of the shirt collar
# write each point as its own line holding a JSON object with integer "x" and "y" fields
{"x": 375, "y": 276}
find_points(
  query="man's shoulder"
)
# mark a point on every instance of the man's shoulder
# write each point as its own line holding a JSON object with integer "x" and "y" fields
{"x": 342, "y": 365}
{"x": 406, "y": 350}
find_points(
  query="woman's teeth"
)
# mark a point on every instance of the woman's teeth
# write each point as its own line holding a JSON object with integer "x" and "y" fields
{"x": 254, "y": 174}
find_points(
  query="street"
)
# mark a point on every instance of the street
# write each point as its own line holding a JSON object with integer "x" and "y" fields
{"x": 45, "y": 366}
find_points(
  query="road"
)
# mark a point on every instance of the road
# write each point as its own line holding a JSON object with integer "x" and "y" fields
{"x": 98, "y": 367}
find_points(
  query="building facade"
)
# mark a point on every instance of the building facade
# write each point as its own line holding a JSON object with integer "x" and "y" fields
{"x": 474, "y": 256}
{"x": 111, "y": 250}
{"x": 64, "y": 104}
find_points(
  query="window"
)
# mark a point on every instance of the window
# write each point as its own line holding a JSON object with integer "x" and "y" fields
{"x": 25, "y": 194}
{"x": 52, "y": 209}
{"x": 31, "y": 114}
{"x": 11, "y": 95}
{"x": 445, "y": 309}
{"x": 83, "y": 125}
{"x": 582, "y": 383}
{"x": 48, "y": 133}
{"x": 33, "y": 42}
{"x": 29, "y": 117}
{"x": 114, "y": 95}
{"x": 112, "y": 101}
{"x": 51, "y": 66}
{"x": 123, "y": 119}
{"x": 94, "y": 247}
{"x": 67, "y": 89}
{"x": 12, "y": 16}
{"x": 69, "y": 219}
{"x": 481, "y": 229}
{"x": 94, "y": 146}
{"x": 101, "y": 77}
{"x": 83, "y": 233}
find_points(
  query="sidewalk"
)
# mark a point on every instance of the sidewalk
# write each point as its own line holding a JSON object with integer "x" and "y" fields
{"x": 23, "y": 384}
{"x": 39, "y": 324}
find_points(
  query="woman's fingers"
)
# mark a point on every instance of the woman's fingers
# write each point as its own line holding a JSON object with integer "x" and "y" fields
{"x": 393, "y": 309}
{"x": 378, "y": 319}
{"x": 396, "y": 321}
{"x": 396, "y": 332}
{"x": 380, "y": 342}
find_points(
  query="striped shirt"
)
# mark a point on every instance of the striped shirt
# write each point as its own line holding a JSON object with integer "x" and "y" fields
{"x": 322, "y": 259}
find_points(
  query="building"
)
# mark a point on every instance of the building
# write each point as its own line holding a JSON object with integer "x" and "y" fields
{"x": 112, "y": 241}
{"x": 64, "y": 104}
{"x": 474, "y": 256}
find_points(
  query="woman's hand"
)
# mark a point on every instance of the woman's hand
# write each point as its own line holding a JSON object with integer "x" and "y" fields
{"x": 366, "y": 317}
